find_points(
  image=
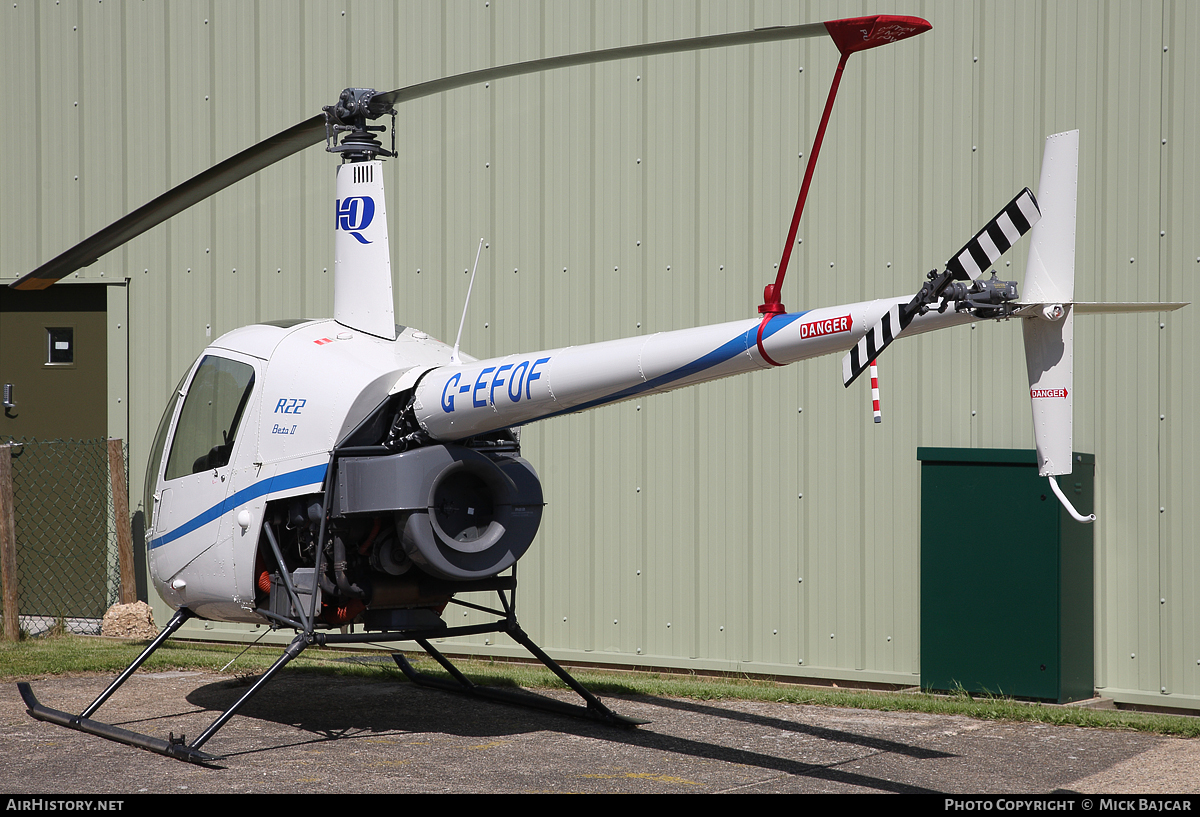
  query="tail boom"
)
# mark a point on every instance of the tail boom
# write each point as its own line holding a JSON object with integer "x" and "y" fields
{"x": 455, "y": 402}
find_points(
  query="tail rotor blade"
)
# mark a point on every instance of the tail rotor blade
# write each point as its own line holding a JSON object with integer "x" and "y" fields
{"x": 870, "y": 345}
{"x": 996, "y": 238}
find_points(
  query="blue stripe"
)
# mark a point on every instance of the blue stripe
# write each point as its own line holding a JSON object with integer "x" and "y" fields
{"x": 279, "y": 482}
{"x": 726, "y": 351}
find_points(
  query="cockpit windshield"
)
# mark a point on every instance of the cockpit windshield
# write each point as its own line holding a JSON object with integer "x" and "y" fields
{"x": 212, "y": 411}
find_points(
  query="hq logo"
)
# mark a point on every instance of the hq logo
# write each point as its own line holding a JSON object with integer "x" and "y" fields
{"x": 355, "y": 215}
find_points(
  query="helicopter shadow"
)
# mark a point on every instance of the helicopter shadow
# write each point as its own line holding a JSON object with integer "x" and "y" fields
{"x": 347, "y": 709}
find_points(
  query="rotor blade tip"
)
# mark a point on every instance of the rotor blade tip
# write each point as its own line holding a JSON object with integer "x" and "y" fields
{"x": 860, "y": 33}
{"x": 31, "y": 284}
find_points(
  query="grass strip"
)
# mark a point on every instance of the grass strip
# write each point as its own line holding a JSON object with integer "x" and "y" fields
{"x": 69, "y": 655}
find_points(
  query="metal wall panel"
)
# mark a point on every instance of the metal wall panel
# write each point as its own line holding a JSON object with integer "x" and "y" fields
{"x": 762, "y": 523}
{"x": 1125, "y": 416}
{"x": 1178, "y": 440}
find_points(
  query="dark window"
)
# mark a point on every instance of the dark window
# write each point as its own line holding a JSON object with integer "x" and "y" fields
{"x": 60, "y": 342}
{"x": 156, "y": 454}
{"x": 208, "y": 422}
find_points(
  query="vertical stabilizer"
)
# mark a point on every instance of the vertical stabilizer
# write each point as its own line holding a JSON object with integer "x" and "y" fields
{"x": 1050, "y": 270}
{"x": 362, "y": 271}
{"x": 1048, "y": 360}
{"x": 1049, "y": 288}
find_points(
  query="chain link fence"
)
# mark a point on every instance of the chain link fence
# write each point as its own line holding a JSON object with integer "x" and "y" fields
{"x": 65, "y": 522}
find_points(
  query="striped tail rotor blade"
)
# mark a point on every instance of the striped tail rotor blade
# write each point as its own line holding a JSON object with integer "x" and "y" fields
{"x": 995, "y": 239}
{"x": 870, "y": 345}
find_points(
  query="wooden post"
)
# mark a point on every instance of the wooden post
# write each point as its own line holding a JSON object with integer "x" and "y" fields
{"x": 120, "y": 495}
{"x": 8, "y": 546}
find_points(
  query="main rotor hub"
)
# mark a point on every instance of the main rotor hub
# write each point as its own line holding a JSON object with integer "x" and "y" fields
{"x": 350, "y": 116}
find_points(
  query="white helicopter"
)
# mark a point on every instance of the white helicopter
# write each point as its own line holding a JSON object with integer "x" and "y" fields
{"x": 323, "y": 473}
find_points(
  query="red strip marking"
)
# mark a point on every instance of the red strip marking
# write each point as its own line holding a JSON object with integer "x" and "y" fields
{"x": 761, "y": 326}
{"x": 860, "y": 33}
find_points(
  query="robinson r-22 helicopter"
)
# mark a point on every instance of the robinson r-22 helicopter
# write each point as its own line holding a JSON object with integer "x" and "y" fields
{"x": 322, "y": 473}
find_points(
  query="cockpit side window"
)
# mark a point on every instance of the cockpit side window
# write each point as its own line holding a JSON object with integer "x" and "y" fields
{"x": 156, "y": 454}
{"x": 212, "y": 411}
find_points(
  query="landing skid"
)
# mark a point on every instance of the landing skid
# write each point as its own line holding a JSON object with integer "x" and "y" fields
{"x": 505, "y": 588}
{"x": 595, "y": 710}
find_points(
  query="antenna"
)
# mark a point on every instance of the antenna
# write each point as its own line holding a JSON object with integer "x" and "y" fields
{"x": 454, "y": 358}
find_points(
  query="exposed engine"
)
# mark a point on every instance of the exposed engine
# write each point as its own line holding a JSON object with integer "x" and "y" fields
{"x": 402, "y": 531}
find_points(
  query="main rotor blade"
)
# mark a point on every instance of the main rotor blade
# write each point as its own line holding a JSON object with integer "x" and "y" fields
{"x": 312, "y": 131}
{"x": 858, "y": 33}
{"x": 380, "y": 102}
{"x": 854, "y": 34}
{"x": 176, "y": 200}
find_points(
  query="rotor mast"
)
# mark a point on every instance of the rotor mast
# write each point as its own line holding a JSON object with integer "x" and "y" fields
{"x": 362, "y": 265}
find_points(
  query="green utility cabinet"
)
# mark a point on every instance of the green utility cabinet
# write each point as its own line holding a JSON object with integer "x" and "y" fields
{"x": 1006, "y": 576}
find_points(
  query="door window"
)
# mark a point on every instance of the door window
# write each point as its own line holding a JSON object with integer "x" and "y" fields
{"x": 212, "y": 411}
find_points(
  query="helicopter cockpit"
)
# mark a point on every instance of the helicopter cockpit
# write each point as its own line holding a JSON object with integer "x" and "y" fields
{"x": 190, "y": 468}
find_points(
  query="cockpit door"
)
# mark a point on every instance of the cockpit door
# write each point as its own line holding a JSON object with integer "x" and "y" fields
{"x": 194, "y": 468}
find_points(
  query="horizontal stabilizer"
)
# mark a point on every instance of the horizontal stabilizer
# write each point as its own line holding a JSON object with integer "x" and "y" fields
{"x": 1091, "y": 308}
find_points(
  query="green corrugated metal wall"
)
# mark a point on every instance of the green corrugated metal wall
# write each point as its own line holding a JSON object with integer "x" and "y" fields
{"x": 762, "y": 524}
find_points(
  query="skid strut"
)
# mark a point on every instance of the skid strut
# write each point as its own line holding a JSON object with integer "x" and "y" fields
{"x": 174, "y": 747}
{"x": 505, "y": 588}
{"x": 507, "y": 623}
{"x": 594, "y": 709}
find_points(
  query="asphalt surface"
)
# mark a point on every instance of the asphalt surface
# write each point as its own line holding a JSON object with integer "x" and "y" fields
{"x": 305, "y": 733}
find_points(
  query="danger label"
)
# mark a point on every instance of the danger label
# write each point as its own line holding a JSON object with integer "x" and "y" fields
{"x": 830, "y": 326}
{"x": 1036, "y": 393}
